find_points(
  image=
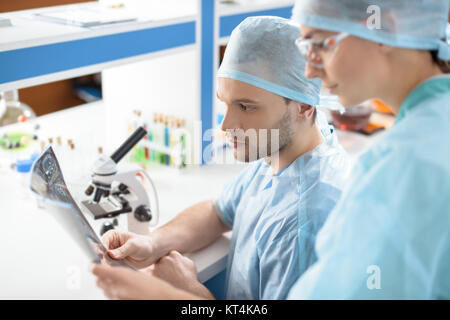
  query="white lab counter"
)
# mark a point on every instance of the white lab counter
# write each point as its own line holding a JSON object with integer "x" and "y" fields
{"x": 40, "y": 261}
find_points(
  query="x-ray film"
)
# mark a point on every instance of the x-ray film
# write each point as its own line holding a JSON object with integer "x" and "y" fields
{"x": 47, "y": 183}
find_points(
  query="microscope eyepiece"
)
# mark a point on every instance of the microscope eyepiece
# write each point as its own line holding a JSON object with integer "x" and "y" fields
{"x": 128, "y": 144}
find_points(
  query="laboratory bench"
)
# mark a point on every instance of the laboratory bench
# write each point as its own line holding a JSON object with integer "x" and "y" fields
{"x": 40, "y": 261}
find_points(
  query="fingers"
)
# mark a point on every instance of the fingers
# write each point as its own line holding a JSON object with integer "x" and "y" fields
{"x": 149, "y": 270}
{"x": 177, "y": 270}
{"x": 173, "y": 262}
{"x": 172, "y": 256}
{"x": 175, "y": 254}
{"x": 123, "y": 251}
{"x": 106, "y": 272}
{"x": 108, "y": 289}
{"x": 111, "y": 239}
{"x": 109, "y": 279}
{"x": 122, "y": 283}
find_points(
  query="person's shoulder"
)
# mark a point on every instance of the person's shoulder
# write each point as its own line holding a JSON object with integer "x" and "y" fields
{"x": 328, "y": 167}
{"x": 421, "y": 137}
{"x": 422, "y": 143}
{"x": 429, "y": 121}
{"x": 404, "y": 175}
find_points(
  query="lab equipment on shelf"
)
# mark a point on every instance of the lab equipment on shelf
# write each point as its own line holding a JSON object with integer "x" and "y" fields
{"x": 5, "y": 22}
{"x": 19, "y": 143}
{"x": 166, "y": 142}
{"x": 12, "y": 110}
{"x": 87, "y": 15}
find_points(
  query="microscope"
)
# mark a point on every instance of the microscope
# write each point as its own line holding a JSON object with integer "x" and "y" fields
{"x": 112, "y": 193}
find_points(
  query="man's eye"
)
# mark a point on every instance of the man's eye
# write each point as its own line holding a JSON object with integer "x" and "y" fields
{"x": 245, "y": 108}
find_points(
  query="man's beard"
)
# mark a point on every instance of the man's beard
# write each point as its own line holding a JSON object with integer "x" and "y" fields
{"x": 281, "y": 133}
{"x": 286, "y": 134}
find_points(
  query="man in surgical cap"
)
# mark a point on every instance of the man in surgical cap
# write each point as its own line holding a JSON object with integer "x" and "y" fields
{"x": 276, "y": 206}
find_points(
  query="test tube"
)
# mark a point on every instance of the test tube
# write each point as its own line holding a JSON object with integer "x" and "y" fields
{"x": 183, "y": 144}
{"x": 160, "y": 138}
{"x": 166, "y": 140}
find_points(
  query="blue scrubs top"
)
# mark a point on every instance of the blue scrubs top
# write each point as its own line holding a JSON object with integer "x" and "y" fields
{"x": 275, "y": 219}
{"x": 389, "y": 235}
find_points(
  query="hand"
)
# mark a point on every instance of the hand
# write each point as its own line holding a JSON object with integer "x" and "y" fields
{"x": 127, "y": 284}
{"x": 136, "y": 250}
{"x": 180, "y": 272}
{"x": 176, "y": 269}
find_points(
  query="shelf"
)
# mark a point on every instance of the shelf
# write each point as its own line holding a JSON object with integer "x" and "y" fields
{"x": 34, "y": 52}
{"x": 233, "y": 14}
{"x": 31, "y": 50}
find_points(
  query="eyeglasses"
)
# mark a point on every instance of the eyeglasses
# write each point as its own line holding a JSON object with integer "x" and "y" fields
{"x": 312, "y": 49}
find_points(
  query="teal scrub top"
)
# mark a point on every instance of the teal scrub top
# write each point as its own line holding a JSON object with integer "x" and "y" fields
{"x": 275, "y": 219}
{"x": 389, "y": 235}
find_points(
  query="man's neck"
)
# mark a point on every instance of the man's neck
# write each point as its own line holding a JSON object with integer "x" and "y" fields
{"x": 300, "y": 145}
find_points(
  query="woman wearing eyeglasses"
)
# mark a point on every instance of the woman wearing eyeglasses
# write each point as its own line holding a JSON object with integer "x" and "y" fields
{"x": 389, "y": 235}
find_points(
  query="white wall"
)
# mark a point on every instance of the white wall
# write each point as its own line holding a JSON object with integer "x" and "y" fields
{"x": 165, "y": 84}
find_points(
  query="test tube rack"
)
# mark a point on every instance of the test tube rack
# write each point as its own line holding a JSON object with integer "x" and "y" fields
{"x": 166, "y": 143}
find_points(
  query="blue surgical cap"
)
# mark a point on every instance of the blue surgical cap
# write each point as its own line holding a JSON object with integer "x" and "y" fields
{"x": 262, "y": 52}
{"x": 410, "y": 24}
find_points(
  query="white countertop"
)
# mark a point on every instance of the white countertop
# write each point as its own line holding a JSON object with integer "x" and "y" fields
{"x": 40, "y": 261}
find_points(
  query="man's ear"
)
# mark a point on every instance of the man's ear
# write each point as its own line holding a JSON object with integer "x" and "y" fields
{"x": 304, "y": 111}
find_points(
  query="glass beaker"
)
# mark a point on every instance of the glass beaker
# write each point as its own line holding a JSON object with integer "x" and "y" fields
{"x": 355, "y": 118}
{"x": 11, "y": 108}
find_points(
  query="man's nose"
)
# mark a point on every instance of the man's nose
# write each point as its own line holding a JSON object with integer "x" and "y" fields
{"x": 230, "y": 121}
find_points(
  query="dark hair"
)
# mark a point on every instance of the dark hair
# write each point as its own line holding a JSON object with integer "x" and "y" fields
{"x": 287, "y": 101}
{"x": 443, "y": 65}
